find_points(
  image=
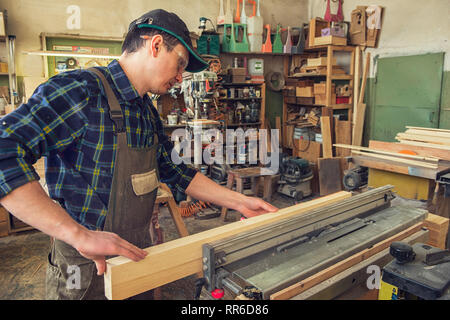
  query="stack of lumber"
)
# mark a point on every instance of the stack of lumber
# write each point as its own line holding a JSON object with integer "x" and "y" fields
{"x": 429, "y": 162}
{"x": 427, "y": 137}
{"x": 421, "y": 166}
{"x": 417, "y": 150}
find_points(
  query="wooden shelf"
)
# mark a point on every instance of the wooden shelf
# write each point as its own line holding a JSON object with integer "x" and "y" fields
{"x": 341, "y": 77}
{"x": 333, "y": 77}
{"x": 240, "y": 99}
{"x": 336, "y": 106}
{"x": 328, "y": 105}
{"x": 243, "y": 124}
{"x": 241, "y": 84}
{"x": 260, "y": 53}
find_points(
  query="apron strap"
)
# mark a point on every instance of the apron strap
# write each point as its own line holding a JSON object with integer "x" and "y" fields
{"x": 115, "y": 111}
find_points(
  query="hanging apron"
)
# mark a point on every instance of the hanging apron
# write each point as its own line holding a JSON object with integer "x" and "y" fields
{"x": 131, "y": 201}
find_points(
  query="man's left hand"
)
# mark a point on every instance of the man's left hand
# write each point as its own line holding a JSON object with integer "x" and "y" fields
{"x": 252, "y": 206}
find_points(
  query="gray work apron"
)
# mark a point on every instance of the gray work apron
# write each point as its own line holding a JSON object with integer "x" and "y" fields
{"x": 132, "y": 197}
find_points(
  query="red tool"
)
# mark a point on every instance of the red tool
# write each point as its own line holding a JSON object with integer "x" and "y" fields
{"x": 267, "y": 46}
{"x": 217, "y": 293}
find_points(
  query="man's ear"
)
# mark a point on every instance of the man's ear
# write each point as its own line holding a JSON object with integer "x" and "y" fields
{"x": 156, "y": 45}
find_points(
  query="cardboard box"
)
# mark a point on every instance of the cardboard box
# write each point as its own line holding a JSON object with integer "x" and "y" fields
{"x": 318, "y": 62}
{"x": 238, "y": 71}
{"x": 321, "y": 88}
{"x": 321, "y": 99}
{"x": 3, "y": 67}
{"x": 238, "y": 79}
{"x": 304, "y": 91}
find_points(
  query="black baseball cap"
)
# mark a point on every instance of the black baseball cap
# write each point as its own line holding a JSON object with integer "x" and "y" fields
{"x": 169, "y": 22}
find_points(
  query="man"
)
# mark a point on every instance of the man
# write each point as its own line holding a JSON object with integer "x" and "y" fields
{"x": 106, "y": 151}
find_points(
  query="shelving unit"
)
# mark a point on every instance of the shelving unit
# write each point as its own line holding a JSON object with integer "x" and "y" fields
{"x": 260, "y": 100}
{"x": 328, "y": 107}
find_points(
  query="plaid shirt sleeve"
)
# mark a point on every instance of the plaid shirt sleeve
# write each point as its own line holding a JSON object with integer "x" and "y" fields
{"x": 176, "y": 176}
{"x": 50, "y": 121}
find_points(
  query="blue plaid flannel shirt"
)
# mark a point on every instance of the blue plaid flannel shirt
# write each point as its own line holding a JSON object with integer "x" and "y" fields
{"x": 66, "y": 120}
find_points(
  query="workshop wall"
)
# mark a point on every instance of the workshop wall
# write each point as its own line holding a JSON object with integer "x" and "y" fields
{"x": 28, "y": 18}
{"x": 408, "y": 28}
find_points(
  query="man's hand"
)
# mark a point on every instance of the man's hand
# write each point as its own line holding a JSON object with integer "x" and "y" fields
{"x": 95, "y": 245}
{"x": 32, "y": 205}
{"x": 252, "y": 206}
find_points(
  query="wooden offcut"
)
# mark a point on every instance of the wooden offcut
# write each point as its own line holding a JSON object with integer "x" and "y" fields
{"x": 358, "y": 129}
{"x": 327, "y": 150}
{"x": 438, "y": 227}
{"x": 179, "y": 258}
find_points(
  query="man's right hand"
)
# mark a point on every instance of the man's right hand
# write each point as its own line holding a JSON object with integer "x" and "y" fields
{"x": 32, "y": 205}
{"x": 95, "y": 245}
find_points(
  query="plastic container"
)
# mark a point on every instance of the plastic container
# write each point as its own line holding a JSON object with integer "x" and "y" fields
{"x": 256, "y": 67}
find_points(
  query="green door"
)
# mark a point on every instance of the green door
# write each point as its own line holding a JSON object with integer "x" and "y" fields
{"x": 407, "y": 92}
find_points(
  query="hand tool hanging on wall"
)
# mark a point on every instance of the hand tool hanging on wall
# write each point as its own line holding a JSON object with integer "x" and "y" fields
{"x": 338, "y": 17}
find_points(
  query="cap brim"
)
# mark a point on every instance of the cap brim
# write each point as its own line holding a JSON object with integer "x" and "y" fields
{"x": 196, "y": 63}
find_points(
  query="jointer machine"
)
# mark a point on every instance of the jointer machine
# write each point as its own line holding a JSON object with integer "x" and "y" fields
{"x": 257, "y": 264}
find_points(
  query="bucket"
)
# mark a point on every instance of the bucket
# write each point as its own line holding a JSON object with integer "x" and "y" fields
{"x": 256, "y": 66}
{"x": 204, "y": 169}
{"x": 172, "y": 119}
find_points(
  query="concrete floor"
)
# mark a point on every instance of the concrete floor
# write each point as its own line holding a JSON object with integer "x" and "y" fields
{"x": 24, "y": 257}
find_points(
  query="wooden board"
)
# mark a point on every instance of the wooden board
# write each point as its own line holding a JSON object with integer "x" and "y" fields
{"x": 398, "y": 160}
{"x": 425, "y": 144}
{"x": 432, "y": 160}
{"x": 327, "y": 150}
{"x": 424, "y": 138}
{"x": 398, "y": 167}
{"x": 420, "y": 150}
{"x": 327, "y": 273}
{"x": 359, "y": 125}
{"x": 343, "y": 134}
{"x": 309, "y": 150}
{"x": 330, "y": 175}
{"x": 360, "y": 112}
{"x": 179, "y": 258}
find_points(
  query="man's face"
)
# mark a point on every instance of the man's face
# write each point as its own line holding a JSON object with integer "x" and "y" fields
{"x": 170, "y": 67}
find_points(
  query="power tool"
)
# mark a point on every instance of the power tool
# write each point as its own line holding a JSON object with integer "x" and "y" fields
{"x": 295, "y": 177}
{"x": 419, "y": 271}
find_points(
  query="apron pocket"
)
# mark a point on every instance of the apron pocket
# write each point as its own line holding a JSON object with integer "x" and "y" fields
{"x": 144, "y": 183}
